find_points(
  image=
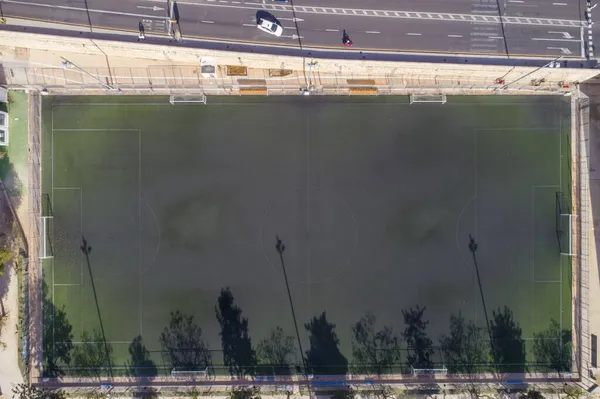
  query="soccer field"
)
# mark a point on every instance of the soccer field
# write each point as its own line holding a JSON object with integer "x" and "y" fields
{"x": 160, "y": 208}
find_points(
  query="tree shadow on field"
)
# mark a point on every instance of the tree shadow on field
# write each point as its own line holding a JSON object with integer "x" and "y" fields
{"x": 87, "y": 250}
{"x": 238, "y": 354}
{"x": 275, "y": 354}
{"x": 140, "y": 364}
{"x": 464, "y": 346}
{"x": 93, "y": 356}
{"x": 552, "y": 347}
{"x": 183, "y": 344}
{"x": 508, "y": 341}
{"x": 420, "y": 346}
{"x": 57, "y": 336}
{"x": 374, "y": 352}
{"x": 324, "y": 356}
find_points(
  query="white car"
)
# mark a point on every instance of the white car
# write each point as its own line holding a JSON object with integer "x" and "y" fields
{"x": 269, "y": 27}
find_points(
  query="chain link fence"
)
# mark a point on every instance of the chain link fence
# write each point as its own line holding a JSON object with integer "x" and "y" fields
{"x": 189, "y": 79}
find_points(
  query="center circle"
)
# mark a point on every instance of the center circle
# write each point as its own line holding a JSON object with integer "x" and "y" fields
{"x": 317, "y": 228}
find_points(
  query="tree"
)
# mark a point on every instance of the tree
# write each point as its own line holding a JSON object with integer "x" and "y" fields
{"x": 507, "y": 341}
{"x": 420, "y": 346}
{"x": 465, "y": 345}
{"x": 183, "y": 343}
{"x": 5, "y": 257}
{"x": 374, "y": 351}
{"x": 140, "y": 364}
{"x": 26, "y": 391}
{"x": 252, "y": 392}
{"x": 277, "y": 351}
{"x": 92, "y": 355}
{"x": 532, "y": 394}
{"x": 324, "y": 356}
{"x": 238, "y": 354}
{"x": 552, "y": 347}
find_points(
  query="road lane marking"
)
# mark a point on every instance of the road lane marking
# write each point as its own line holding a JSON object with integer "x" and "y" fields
{"x": 516, "y": 1}
{"x": 252, "y": 25}
{"x": 332, "y": 30}
{"x": 208, "y": 22}
{"x": 155, "y": 8}
{"x": 562, "y": 50}
{"x": 555, "y": 40}
{"x": 374, "y": 32}
{"x": 414, "y": 34}
{"x": 495, "y": 37}
{"x": 82, "y": 9}
{"x": 454, "y": 35}
{"x": 560, "y": 4}
{"x": 485, "y": 19}
{"x": 566, "y": 35}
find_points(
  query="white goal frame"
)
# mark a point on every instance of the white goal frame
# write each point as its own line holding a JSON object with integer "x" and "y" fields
{"x": 570, "y": 230}
{"x": 429, "y": 372}
{"x": 44, "y": 247}
{"x": 428, "y": 98}
{"x": 189, "y": 373}
{"x": 188, "y": 99}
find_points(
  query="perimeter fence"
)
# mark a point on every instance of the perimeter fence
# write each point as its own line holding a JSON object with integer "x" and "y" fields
{"x": 189, "y": 79}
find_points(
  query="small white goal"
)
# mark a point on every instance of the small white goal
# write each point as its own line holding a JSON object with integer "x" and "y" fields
{"x": 428, "y": 98}
{"x": 429, "y": 372}
{"x": 188, "y": 99}
{"x": 189, "y": 373}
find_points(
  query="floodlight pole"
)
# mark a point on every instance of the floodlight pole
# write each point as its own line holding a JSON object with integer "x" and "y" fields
{"x": 473, "y": 249}
{"x": 280, "y": 247}
{"x": 68, "y": 64}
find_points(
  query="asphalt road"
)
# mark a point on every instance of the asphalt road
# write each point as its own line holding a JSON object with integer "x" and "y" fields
{"x": 519, "y": 27}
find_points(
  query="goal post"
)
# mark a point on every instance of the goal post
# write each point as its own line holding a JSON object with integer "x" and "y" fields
{"x": 437, "y": 372}
{"x": 180, "y": 373}
{"x": 46, "y": 251}
{"x": 428, "y": 98}
{"x": 188, "y": 99}
{"x": 564, "y": 225}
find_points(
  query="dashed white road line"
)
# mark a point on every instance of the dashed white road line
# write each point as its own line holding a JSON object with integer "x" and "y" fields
{"x": 559, "y": 4}
{"x": 454, "y": 35}
{"x": 253, "y": 25}
{"x": 555, "y": 40}
{"x": 414, "y": 34}
{"x": 332, "y": 30}
{"x": 374, "y": 32}
{"x": 208, "y": 22}
{"x": 516, "y": 1}
{"x": 495, "y": 37}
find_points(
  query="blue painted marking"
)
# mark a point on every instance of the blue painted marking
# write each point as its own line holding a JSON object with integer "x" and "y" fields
{"x": 328, "y": 383}
{"x": 513, "y": 382}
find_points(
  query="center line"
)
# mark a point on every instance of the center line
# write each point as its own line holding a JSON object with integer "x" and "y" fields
{"x": 413, "y": 34}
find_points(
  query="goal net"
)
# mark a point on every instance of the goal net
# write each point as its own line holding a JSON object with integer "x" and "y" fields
{"x": 189, "y": 373}
{"x": 564, "y": 223}
{"x": 429, "y": 372}
{"x": 189, "y": 99}
{"x": 428, "y": 98}
{"x": 46, "y": 251}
